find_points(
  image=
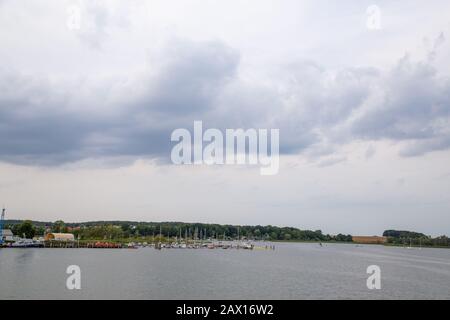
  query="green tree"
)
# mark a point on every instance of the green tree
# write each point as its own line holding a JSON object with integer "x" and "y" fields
{"x": 287, "y": 236}
{"x": 26, "y": 229}
{"x": 59, "y": 226}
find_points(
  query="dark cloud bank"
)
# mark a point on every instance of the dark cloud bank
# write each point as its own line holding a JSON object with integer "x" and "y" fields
{"x": 47, "y": 122}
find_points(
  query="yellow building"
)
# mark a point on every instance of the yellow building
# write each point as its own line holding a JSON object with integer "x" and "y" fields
{"x": 59, "y": 237}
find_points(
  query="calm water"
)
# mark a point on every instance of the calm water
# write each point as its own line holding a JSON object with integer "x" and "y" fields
{"x": 292, "y": 271}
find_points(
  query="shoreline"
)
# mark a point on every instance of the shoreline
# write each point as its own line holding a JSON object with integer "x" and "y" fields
{"x": 118, "y": 245}
{"x": 362, "y": 244}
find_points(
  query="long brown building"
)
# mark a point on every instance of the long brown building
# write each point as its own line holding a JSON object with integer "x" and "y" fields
{"x": 369, "y": 239}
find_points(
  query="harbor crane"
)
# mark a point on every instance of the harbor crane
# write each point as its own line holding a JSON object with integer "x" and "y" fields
{"x": 2, "y": 219}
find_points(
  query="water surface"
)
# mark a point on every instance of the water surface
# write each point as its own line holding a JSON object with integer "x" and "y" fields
{"x": 292, "y": 271}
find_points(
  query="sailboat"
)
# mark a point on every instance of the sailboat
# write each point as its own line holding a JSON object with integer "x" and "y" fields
{"x": 158, "y": 245}
{"x": 410, "y": 244}
{"x": 239, "y": 239}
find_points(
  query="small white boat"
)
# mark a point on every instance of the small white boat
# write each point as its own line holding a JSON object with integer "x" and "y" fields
{"x": 26, "y": 243}
{"x": 247, "y": 246}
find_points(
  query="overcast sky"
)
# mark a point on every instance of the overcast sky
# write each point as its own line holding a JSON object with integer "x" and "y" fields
{"x": 91, "y": 90}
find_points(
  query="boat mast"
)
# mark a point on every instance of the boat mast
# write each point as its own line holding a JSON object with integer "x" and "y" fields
{"x": 239, "y": 238}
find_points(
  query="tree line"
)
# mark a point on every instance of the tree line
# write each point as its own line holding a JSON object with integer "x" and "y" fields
{"x": 407, "y": 238}
{"x": 114, "y": 230}
{"x": 121, "y": 230}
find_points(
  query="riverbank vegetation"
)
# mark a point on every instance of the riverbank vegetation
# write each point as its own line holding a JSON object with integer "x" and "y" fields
{"x": 124, "y": 230}
{"x": 130, "y": 231}
{"x": 415, "y": 239}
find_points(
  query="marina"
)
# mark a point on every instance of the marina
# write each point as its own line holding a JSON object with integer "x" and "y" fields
{"x": 58, "y": 240}
{"x": 29, "y": 243}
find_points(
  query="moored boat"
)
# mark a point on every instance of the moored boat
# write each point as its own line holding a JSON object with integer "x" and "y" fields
{"x": 27, "y": 243}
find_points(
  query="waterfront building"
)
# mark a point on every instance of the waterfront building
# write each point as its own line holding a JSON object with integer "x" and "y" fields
{"x": 7, "y": 236}
{"x": 369, "y": 239}
{"x": 59, "y": 237}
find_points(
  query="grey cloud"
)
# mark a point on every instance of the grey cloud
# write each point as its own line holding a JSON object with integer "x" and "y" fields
{"x": 420, "y": 147}
{"x": 331, "y": 161}
{"x": 191, "y": 78}
{"x": 318, "y": 101}
{"x": 41, "y": 124}
{"x": 34, "y": 124}
{"x": 316, "y": 109}
{"x": 370, "y": 151}
{"x": 409, "y": 104}
{"x": 415, "y": 107}
{"x": 439, "y": 41}
{"x": 97, "y": 21}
